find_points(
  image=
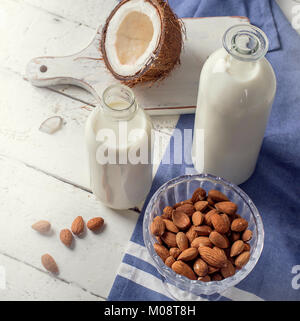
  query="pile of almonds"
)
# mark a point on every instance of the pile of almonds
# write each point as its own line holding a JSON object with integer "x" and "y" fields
{"x": 203, "y": 237}
{"x": 66, "y": 236}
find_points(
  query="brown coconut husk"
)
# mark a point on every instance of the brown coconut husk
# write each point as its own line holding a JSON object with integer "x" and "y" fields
{"x": 165, "y": 56}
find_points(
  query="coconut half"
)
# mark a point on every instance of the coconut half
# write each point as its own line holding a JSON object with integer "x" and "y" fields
{"x": 141, "y": 41}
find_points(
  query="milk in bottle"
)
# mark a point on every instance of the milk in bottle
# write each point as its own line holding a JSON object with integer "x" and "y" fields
{"x": 236, "y": 91}
{"x": 118, "y": 138}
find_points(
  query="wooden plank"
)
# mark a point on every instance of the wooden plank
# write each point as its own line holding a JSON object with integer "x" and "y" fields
{"x": 28, "y": 196}
{"x": 26, "y": 283}
{"x": 88, "y": 12}
{"x": 27, "y": 32}
{"x": 23, "y": 108}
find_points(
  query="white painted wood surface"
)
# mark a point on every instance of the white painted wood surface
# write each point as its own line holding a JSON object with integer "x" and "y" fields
{"x": 54, "y": 185}
{"x": 59, "y": 157}
{"x": 28, "y": 196}
{"x": 25, "y": 282}
{"x": 63, "y": 154}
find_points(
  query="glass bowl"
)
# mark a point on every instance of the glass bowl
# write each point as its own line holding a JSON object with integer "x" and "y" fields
{"x": 180, "y": 189}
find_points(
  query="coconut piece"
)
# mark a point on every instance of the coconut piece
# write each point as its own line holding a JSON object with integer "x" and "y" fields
{"x": 141, "y": 41}
{"x": 51, "y": 125}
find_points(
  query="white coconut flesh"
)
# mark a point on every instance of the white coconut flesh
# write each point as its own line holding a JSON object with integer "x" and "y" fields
{"x": 132, "y": 36}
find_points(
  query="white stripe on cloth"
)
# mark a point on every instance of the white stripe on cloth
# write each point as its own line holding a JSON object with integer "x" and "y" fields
{"x": 232, "y": 293}
{"x": 150, "y": 282}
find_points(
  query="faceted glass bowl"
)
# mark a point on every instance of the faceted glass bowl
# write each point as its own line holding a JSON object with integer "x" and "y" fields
{"x": 180, "y": 189}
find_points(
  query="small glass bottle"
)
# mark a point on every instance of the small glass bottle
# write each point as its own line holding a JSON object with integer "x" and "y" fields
{"x": 118, "y": 137}
{"x": 236, "y": 91}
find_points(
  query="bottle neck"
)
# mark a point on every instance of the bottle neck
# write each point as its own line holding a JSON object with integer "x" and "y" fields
{"x": 118, "y": 103}
{"x": 245, "y": 42}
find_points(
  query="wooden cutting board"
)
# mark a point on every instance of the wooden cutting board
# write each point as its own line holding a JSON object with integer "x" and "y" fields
{"x": 177, "y": 94}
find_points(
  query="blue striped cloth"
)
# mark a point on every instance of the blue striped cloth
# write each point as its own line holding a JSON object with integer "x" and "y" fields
{"x": 274, "y": 187}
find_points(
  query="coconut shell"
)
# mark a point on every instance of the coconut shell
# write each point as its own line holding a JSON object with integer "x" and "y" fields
{"x": 165, "y": 56}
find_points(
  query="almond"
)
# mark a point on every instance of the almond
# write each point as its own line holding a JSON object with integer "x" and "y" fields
{"x": 228, "y": 270}
{"x": 182, "y": 203}
{"x": 159, "y": 240}
{"x": 198, "y": 195}
{"x": 170, "y": 226}
{"x": 237, "y": 247}
{"x": 49, "y": 263}
{"x": 201, "y": 241}
{"x": 174, "y": 251}
{"x": 205, "y": 278}
{"x": 169, "y": 261}
{"x": 181, "y": 220}
{"x": 188, "y": 254}
{"x": 210, "y": 202}
{"x": 229, "y": 208}
{"x": 220, "y": 251}
{"x": 169, "y": 238}
{"x": 212, "y": 257}
{"x": 201, "y": 206}
{"x": 216, "y": 277}
{"x": 182, "y": 268}
{"x": 203, "y": 230}
{"x": 167, "y": 212}
{"x": 242, "y": 259}
{"x": 234, "y": 236}
{"x": 188, "y": 209}
{"x": 208, "y": 216}
{"x": 77, "y": 225}
{"x": 218, "y": 240}
{"x": 226, "y": 220}
{"x": 161, "y": 251}
{"x": 247, "y": 247}
{"x": 220, "y": 223}
{"x": 197, "y": 218}
{"x": 42, "y": 226}
{"x": 158, "y": 226}
{"x": 217, "y": 196}
{"x": 239, "y": 225}
{"x": 247, "y": 236}
{"x": 95, "y": 224}
{"x": 191, "y": 234}
{"x": 182, "y": 241}
{"x": 66, "y": 237}
{"x": 212, "y": 269}
{"x": 200, "y": 267}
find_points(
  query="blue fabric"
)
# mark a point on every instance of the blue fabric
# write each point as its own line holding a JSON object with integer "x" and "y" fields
{"x": 259, "y": 12}
{"x": 126, "y": 290}
{"x": 275, "y": 185}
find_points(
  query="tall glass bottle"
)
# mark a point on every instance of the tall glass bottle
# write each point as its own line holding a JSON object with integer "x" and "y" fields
{"x": 236, "y": 91}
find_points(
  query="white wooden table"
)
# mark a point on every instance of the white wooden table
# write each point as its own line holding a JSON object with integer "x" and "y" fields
{"x": 45, "y": 176}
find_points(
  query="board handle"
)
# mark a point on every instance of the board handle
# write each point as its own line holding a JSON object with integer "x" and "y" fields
{"x": 77, "y": 69}
{"x": 51, "y": 71}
